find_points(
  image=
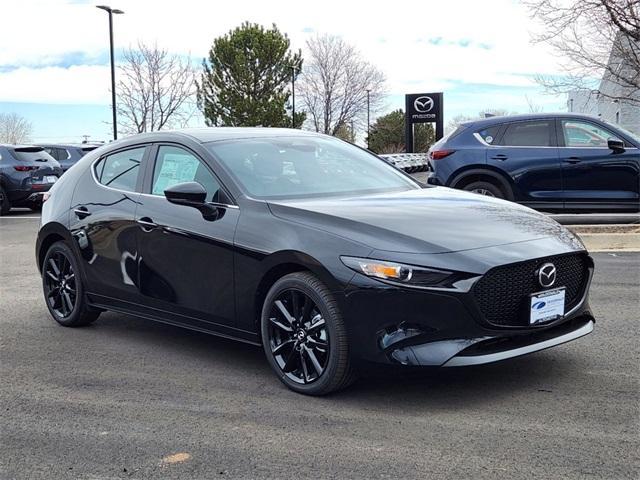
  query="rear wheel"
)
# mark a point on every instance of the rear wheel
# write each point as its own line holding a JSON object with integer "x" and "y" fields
{"x": 484, "y": 188}
{"x": 5, "y": 204}
{"x": 304, "y": 336}
{"x": 63, "y": 289}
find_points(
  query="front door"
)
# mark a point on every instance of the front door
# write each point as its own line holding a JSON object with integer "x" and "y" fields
{"x": 186, "y": 261}
{"x": 594, "y": 175}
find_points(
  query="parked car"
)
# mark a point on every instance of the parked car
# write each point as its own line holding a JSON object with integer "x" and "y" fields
{"x": 69, "y": 153}
{"x": 319, "y": 251}
{"x": 26, "y": 172}
{"x": 545, "y": 161}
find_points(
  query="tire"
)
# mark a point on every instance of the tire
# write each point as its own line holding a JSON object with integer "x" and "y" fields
{"x": 484, "y": 188}
{"x": 63, "y": 289}
{"x": 5, "y": 204}
{"x": 328, "y": 367}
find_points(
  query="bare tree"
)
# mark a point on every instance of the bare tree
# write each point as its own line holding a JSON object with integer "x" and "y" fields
{"x": 334, "y": 85}
{"x": 533, "y": 107}
{"x": 454, "y": 122}
{"x": 156, "y": 89}
{"x": 14, "y": 129}
{"x": 596, "y": 39}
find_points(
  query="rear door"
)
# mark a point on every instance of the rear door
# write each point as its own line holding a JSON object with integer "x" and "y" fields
{"x": 594, "y": 175}
{"x": 527, "y": 151}
{"x": 186, "y": 261}
{"x": 102, "y": 221}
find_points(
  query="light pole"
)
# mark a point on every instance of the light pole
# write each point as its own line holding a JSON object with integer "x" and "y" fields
{"x": 111, "y": 12}
{"x": 368, "y": 114}
{"x": 294, "y": 69}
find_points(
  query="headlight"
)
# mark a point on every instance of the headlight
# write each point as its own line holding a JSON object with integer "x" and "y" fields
{"x": 409, "y": 275}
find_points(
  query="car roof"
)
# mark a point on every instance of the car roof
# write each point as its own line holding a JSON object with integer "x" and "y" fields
{"x": 11, "y": 145}
{"x": 216, "y": 134}
{"x": 485, "y": 122}
{"x": 70, "y": 145}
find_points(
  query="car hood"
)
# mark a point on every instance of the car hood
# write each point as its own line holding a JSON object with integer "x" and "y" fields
{"x": 430, "y": 220}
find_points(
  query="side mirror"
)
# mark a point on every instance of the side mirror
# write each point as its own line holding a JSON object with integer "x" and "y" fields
{"x": 615, "y": 145}
{"x": 190, "y": 194}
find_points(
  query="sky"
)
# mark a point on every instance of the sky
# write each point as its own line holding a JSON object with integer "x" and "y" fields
{"x": 54, "y": 55}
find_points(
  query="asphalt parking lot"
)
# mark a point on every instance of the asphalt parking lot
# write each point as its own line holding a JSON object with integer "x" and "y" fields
{"x": 127, "y": 398}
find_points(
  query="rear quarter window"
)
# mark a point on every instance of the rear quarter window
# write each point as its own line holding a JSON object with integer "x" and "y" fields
{"x": 489, "y": 134}
{"x": 120, "y": 170}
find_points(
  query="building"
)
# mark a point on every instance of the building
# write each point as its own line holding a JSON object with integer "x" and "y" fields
{"x": 612, "y": 102}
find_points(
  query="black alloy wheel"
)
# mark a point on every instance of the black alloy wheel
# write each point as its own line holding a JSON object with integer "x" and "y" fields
{"x": 304, "y": 336}
{"x": 298, "y": 336}
{"x": 60, "y": 285}
{"x": 5, "y": 204}
{"x": 63, "y": 290}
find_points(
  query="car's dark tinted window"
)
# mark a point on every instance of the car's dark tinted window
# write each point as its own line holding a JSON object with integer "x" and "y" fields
{"x": 120, "y": 170}
{"x": 30, "y": 154}
{"x": 578, "y": 133}
{"x": 176, "y": 165}
{"x": 489, "y": 134}
{"x": 537, "y": 133}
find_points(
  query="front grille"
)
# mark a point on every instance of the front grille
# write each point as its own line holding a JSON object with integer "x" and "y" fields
{"x": 503, "y": 292}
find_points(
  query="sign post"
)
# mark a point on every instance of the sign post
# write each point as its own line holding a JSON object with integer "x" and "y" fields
{"x": 422, "y": 108}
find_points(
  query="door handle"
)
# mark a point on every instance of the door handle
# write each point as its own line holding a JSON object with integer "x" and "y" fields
{"x": 499, "y": 156}
{"x": 82, "y": 212}
{"x": 572, "y": 160}
{"x": 146, "y": 224}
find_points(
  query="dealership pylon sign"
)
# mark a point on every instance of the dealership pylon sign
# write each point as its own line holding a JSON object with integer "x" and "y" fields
{"x": 422, "y": 108}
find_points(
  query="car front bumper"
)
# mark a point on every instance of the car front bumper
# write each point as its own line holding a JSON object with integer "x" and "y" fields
{"x": 428, "y": 328}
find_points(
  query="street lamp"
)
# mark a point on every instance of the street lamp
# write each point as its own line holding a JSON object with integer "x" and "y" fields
{"x": 111, "y": 12}
{"x": 368, "y": 115}
{"x": 294, "y": 69}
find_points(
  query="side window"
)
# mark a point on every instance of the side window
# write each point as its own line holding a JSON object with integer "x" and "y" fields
{"x": 489, "y": 134}
{"x": 536, "y": 133}
{"x": 121, "y": 169}
{"x": 63, "y": 154}
{"x": 585, "y": 134}
{"x": 177, "y": 165}
{"x": 52, "y": 151}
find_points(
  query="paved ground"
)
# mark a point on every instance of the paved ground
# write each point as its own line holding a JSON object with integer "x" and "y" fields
{"x": 115, "y": 399}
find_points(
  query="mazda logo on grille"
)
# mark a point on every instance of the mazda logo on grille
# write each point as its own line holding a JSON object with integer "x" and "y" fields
{"x": 547, "y": 275}
{"x": 423, "y": 104}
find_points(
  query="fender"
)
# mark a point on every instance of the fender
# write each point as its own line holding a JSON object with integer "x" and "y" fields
{"x": 47, "y": 235}
{"x": 505, "y": 182}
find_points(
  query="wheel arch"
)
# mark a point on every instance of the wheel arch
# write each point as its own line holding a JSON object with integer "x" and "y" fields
{"x": 283, "y": 263}
{"x": 49, "y": 234}
{"x": 464, "y": 177}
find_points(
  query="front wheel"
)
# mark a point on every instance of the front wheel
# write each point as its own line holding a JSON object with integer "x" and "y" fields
{"x": 304, "y": 336}
{"x": 63, "y": 289}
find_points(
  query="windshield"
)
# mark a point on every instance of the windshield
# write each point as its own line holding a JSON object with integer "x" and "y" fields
{"x": 294, "y": 167}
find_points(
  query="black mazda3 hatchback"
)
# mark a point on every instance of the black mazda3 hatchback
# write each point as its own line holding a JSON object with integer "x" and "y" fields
{"x": 328, "y": 257}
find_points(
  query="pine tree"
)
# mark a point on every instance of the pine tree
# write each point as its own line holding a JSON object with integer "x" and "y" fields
{"x": 245, "y": 81}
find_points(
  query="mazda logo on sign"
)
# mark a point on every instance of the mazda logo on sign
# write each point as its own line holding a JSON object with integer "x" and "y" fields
{"x": 547, "y": 275}
{"x": 423, "y": 104}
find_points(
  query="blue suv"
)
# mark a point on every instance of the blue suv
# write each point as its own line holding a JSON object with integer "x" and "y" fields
{"x": 555, "y": 162}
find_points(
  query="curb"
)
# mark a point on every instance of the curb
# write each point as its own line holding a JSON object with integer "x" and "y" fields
{"x": 609, "y": 238}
